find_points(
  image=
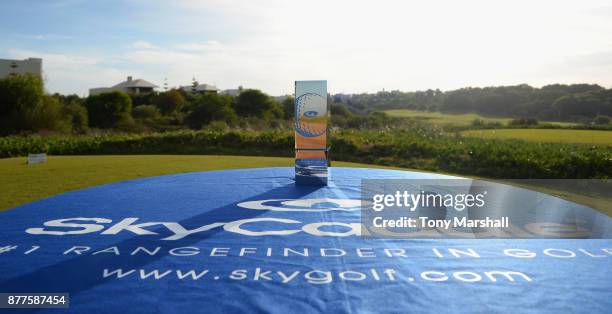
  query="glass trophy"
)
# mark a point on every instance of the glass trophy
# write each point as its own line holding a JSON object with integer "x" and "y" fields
{"x": 311, "y": 129}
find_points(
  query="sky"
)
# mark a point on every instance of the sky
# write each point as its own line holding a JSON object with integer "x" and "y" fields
{"x": 358, "y": 46}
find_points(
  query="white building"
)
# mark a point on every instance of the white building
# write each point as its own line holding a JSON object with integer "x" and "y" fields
{"x": 233, "y": 92}
{"x": 14, "y": 67}
{"x": 200, "y": 89}
{"x": 130, "y": 86}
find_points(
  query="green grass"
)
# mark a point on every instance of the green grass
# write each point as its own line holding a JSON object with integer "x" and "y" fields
{"x": 442, "y": 118}
{"x": 21, "y": 183}
{"x": 439, "y": 118}
{"x": 591, "y": 137}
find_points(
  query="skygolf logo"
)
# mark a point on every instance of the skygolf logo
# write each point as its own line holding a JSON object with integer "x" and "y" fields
{"x": 83, "y": 225}
{"x": 274, "y": 226}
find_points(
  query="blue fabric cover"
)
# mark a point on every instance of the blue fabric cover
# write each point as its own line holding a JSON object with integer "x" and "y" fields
{"x": 570, "y": 284}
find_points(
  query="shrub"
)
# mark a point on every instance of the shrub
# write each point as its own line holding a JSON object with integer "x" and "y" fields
{"x": 252, "y": 102}
{"x": 127, "y": 124}
{"x": 24, "y": 107}
{"x": 48, "y": 115}
{"x": 76, "y": 115}
{"x": 211, "y": 107}
{"x": 145, "y": 112}
{"x": 601, "y": 120}
{"x": 107, "y": 109}
{"x": 20, "y": 96}
{"x": 218, "y": 126}
{"x": 478, "y": 122}
{"x": 420, "y": 148}
{"x": 338, "y": 109}
{"x": 523, "y": 122}
{"x": 169, "y": 102}
{"x": 288, "y": 108}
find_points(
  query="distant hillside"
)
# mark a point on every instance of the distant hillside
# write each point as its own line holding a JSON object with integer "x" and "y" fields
{"x": 576, "y": 103}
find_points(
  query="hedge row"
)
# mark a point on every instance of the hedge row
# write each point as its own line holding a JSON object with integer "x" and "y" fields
{"x": 420, "y": 148}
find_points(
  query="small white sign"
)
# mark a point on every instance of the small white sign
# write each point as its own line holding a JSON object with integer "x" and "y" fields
{"x": 37, "y": 158}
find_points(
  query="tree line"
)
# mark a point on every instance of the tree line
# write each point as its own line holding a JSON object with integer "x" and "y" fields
{"x": 25, "y": 108}
{"x": 582, "y": 103}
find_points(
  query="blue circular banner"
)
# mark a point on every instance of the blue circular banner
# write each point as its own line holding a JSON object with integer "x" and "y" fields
{"x": 250, "y": 240}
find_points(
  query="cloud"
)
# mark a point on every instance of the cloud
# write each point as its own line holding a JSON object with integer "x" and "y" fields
{"x": 201, "y": 46}
{"x": 604, "y": 11}
{"x": 210, "y": 62}
{"x": 73, "y": 73}
{"x": 590, "y": 60}
{"x": 366, "y": 46}
{"x": 49, "y": 37}
{"x": 358, "y": 46}
{"x": 141, "y": 44}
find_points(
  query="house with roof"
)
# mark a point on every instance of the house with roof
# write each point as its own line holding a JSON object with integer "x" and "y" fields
{"x": 130, "y": 86}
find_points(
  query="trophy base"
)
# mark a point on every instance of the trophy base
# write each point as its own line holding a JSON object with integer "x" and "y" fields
{"x": 311, "y": 171}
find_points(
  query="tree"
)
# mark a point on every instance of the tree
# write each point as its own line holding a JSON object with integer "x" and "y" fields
{"x": 19, "y": 96}
{"x": 142, "y": 99}
{"x": 275, "y": 113}
{"x": 339, "y": 110}
{"x": 169, "y": 102}
{"x": 458, "y": 101}
{"x": 74, "y": 111}
{"x": 107, "y": 109}
{"x": 76, "y": 115}
{"x": 211, "y": 107}
{"x": 24, "y": 107}
{"x": 194, "y": 85}
{"x": 601, "y": 120}
{"x": 566, "y": 106}
{"x": 252, "y": 102}
{"x": 288, "y": 107}
{"x": 523, "y": 122}
{"x": 48, "y": 115}
{"x": 145, "y": 112}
